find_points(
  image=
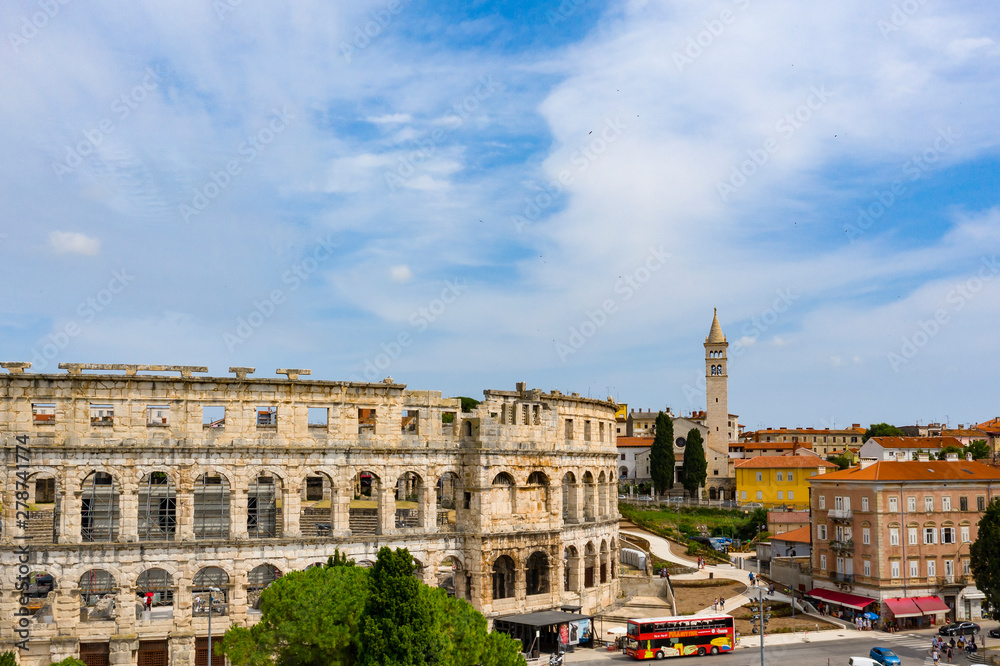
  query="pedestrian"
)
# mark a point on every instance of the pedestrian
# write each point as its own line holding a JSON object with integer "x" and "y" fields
{"x": 951, "y": 653}
{"x": 751, "y": 577}
{"x": 722, "y": 603}
{"x": 951, "y": 643}
{"x": 936, "y": 656}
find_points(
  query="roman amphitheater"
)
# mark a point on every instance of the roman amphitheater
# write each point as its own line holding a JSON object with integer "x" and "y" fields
{"x": 136, "y": 490}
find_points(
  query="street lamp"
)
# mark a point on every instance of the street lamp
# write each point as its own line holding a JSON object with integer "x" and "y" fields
{"x": 210, "y": 591}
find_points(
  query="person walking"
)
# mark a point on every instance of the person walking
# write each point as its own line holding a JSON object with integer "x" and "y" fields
{"x": 722, "y": 603}
{"x": 951, "y": 653}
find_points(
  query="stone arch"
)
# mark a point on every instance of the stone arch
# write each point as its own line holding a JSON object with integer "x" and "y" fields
{"x": 571, "y": 569}
{"x": 201, "y": 589}
{"x": 589, "y": 564}
{"x": 589, "y": 497}
{"x": 453, "y": 578}
{"x": 154, "y": 587}
{"x": 537, "y": 493}
{"x": 613, "y": 560}
{"x": 623, "y": 472}
{"x": 448, "y": 494}
{"x": 536, "y": 573}
{"x": 570, "y": 501}
{"x": 210, "y": 499}
{"x": 100, "y": 507}
{"x": 45, "y": 497}
{"x": 97, "y": 591}
{"x": 501, "y": 495}
{"x": 365, "y": 513}
{"x": 409, "y": 501}
{"x": 604, "y": 561}
{"x": 40, "y": 593}
{"x": 713, "y": 494}
{"x": 264, "y": 506}
{"x": 467, "y": 428}
{"x": 602, "y": 495}
{"x": 157, "y": 506}
{"x": 504, "y": 577}
{"x": 257, "y": 581}
{"x": 318, "y": 505}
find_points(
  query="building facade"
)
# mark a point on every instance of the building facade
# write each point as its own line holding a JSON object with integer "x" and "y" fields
{"x": 823, "y": 442}
{"x": 125, "y": 486}
{"x": 722, "y": 426}
{"x": 906, "y": 448}
{"x": 892, "y": 530}
{"x": 778, "y": 480}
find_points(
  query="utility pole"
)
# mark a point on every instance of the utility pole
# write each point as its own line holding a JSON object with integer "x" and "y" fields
{"x": 763, "y": 622}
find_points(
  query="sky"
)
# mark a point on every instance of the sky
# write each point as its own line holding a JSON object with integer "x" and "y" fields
{"x": 465, "y": 195}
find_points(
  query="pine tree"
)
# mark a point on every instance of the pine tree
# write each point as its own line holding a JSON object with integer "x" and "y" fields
{"x": 984, "y": 555}
{"x": 695, "y": 462}
{"x": 661, "y": 456}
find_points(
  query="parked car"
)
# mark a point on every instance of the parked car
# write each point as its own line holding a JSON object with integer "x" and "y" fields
{"x": 883, "y": 655}
{"x": 960, "y": 629}
{"x": 995, "y": 633}
{"x": 751, "y": 506}
{"x": 861, "y": 661}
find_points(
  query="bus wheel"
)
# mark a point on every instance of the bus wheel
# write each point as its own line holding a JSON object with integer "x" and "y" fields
{"x": 715, "y": 649}
{"x": 701, "y": 652}
{"x": 659, "y": 655}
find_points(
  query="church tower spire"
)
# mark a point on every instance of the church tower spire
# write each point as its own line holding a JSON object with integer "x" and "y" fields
{"x": 717, "y": 395}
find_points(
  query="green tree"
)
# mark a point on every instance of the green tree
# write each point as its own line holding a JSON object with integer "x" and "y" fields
{"x": 695, "y": 462}
{"x": 468, "y": 404}
{"x": 308, "y": 618}
{"x": 841, "y": 461}
{"x": 979, "y": 449}
{"x": 8, "y": 659}
{"x": 882, "y": 430}
{"x": 984, "y": 555}
{"x": 661, "y": 456}
{"x": 943, "y": 453}
{"x": 68, "y": 661}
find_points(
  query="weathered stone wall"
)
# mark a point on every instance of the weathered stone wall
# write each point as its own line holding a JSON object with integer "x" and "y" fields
{"x": 533, "y": 489}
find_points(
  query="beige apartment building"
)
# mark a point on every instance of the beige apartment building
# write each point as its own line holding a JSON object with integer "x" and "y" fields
{"x": 823, "y": 442}
{"x": 893, "y": 537}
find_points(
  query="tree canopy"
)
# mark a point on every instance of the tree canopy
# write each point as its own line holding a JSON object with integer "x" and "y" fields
{"x": 345, "y": 615}
{"x": 984, "y": 555}
{"x": 882, "y": 430}
{"x": 979, "y": 449}
{"x": 841, "y": 461}
{"x": 957, "y": 450}
{"x": 661, "y": 456}
{"x": 695, "y": 462}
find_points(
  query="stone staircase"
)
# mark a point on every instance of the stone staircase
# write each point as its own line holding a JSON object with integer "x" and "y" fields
{"x": 311, "y": 519}
{"x": 40, "y": 525}
{"x": 364, "y": 521}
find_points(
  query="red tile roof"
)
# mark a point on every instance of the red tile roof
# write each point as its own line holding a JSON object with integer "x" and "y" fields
{"x": 916, "y": 442}
{"x": 799, "y": 535}
{"x": 783, "y": 462}
{"x": 914, "y": 470}
{"x": 992, "y": 426}
{"x": 631, "y": 442}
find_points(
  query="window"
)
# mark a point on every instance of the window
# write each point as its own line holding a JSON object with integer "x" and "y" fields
{"x": 866, "y": 537}
{"x": 586, "y": 430}
{"x": 743, "y": 494}
{"x": 928, "y": 504}
{"x": 981, "y": 503}
{"x": 366, "y": 421}
{"x": 911, "y": 504}
{"x": 947, "y": 535}
{"x": 102, "y": 414}
{"x": 963, "y": 503}
{"x": 894, "y": 569}
{"x": 267, "y": 416}
{"x": 43, "y": 413}
{"x": 912, "y": 534}
{"x": 319, "y": 417}
{"x": 791, "y": 493}
{"x": 932, "y": 567}
{"x": 157, "y": 415}
{"x": 930, "y": 535}
{"x": 569, "y": 428}
{"x": 893, "y": 505}
{"x": 781, "y": 495}
{"x": 821, "y": 532}
{"x": 822, "y": 501}
{"x": 893, "y": 536}
{"x": 867, "y": 567}
{"x": 623, "y": 456}
{"x": 914, "y": 568}
{"x": 965, "y": 533}
{"x": 790, "y": 476}
{"x": 838, "y": 503}
{"x": 946, "y": 504}
{"x": 779, "y": 476}
{"x": 213, "y": 416}
{"x": 949, "y": 568}
{"x": 966, "y": 568}
{"x": 760, "y": 476}
{"x": 822, "y": 562}
{"x": 864, "y": 503}
{"x": 760, "y": 495}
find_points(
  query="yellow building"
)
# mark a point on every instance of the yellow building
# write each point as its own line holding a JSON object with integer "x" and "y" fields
{"x": 778, "y": 480}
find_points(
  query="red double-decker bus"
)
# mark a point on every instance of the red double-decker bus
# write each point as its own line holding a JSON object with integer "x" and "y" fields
{"x": 659, "y": 637}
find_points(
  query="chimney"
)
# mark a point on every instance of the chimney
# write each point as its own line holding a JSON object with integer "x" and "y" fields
{"x": 868, "y": 462}
{"x": 923, "y": 457}
{"x": 968, "y": 456}
{"x": 951, "y": 457}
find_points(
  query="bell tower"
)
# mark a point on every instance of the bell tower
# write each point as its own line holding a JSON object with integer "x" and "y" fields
{"x": 717, "y": 394}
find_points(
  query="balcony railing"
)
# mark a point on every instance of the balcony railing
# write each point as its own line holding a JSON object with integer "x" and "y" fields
{"x": 845, "y": 546}
{"x": 840, "y": 514}
{"x": 842, "y": 577}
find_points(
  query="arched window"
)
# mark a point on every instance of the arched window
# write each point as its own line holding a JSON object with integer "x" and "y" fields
{"x": 537, "y": 573}
{"x": 365, "y": 513}
{"x": 99, "y": 512}
{"x": 409, "y": 500}
{"x": 155, "y": 588}
{"x": 211, "y": 507}
{"x": 97, "y": 590}
{"x": 258, "y": 580}
{"x": 448, "y": 492}
{"x": 157, "y": 508}
{"x": 503, "y": 578}
{"x": 589, "y": 565}
{"x": 206, "y": 579}
{"x": 262, "y": 507}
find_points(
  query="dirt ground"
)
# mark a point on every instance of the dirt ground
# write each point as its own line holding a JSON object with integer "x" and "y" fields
{"x": 798, "y": 623}
{"x": 694, "y": 599}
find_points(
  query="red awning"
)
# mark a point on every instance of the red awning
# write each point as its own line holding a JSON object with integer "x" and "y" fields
{"x": 903, "y": 607}
{"x": 931, "y": 605}
{"x": 841, "y": 598}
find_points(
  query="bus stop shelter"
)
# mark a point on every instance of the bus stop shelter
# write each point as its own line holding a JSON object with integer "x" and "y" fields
{"x": 548, "y": 631}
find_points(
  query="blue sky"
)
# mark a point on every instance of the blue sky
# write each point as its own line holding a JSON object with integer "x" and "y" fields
{"x": 467, "y": 195}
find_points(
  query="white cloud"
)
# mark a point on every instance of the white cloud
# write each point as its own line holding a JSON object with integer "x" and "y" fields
{"x": 401, "y": 273}
{"x": 71, "y": 242}
{"x": 390, "y": 118}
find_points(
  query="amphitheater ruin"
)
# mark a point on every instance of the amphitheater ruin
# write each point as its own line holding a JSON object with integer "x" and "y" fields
{"x": 132, "y": 492}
